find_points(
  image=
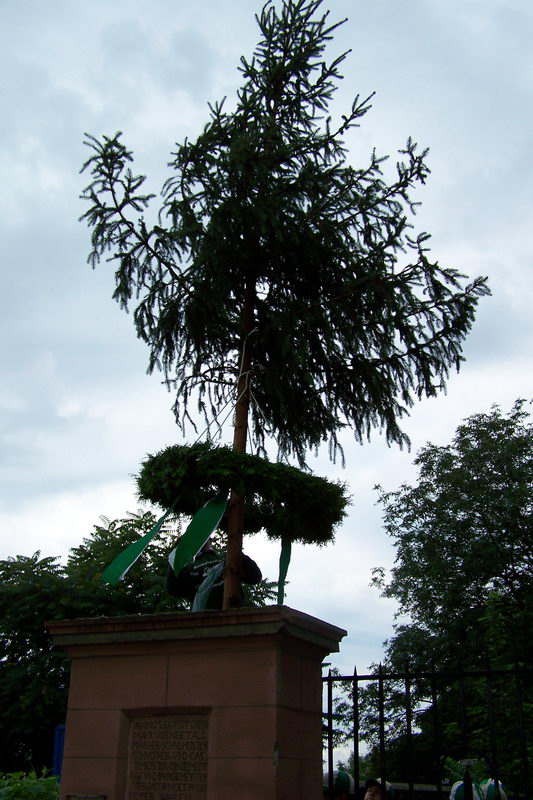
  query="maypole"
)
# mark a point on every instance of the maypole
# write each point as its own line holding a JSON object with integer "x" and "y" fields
{"x": 232, "y": 578}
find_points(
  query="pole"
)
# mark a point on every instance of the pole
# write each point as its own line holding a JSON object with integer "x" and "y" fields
{"x": 232, "y": 578}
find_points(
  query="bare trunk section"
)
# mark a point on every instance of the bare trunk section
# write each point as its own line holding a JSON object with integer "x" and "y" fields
{"x": 232, "y": 579}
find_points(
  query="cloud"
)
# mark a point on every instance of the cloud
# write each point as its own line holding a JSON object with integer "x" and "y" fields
{"x": 53, "y": 524}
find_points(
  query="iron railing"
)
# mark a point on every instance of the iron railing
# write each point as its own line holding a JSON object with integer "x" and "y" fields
{"x": 494, "y": 686}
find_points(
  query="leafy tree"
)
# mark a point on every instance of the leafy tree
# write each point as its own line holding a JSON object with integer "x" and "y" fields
{"x": 463, "y": 579}
{"x": 464, "y": 552}
{"x": 32, "y": 675}
{"x": 278, "y": 277}
{"x": 34, "y": 589}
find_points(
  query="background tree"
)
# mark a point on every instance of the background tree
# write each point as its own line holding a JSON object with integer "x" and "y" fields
{"x": 463, "y": 579}
{"x": 278, "y": 277}
{"x": 34, "y": 589}
{"x": 464, "y": 547}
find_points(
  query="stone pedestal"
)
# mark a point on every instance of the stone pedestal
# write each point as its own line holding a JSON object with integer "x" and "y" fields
{"x": 204, "y": 706}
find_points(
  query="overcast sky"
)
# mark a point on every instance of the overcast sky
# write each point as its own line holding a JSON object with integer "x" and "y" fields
{"x": 77, "y": 411}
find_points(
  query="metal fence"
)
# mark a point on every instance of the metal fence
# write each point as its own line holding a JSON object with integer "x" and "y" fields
{"x": 476, "y": 717}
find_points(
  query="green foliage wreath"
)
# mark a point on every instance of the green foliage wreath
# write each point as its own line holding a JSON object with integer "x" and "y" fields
{"x": 286, "y": 502}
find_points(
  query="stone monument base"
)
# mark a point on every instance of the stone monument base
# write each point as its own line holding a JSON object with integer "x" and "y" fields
{"x": 218, "y": 705}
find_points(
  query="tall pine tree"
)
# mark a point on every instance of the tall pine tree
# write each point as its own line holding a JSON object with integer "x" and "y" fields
{"x": 279, "y": 277}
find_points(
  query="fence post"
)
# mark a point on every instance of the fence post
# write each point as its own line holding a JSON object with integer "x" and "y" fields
{"x": 381, "y": 710}
{"x": 492, "y": 732}
{"x": 409, "y": 727}
{"x": 355, "y": 701}
{"x": 436, "y": 729}
{"x": 522, "y": 734}
{"x": 330, "y": 734}
{"x": 464, "y": 716}
{"x": 467, "y": 785}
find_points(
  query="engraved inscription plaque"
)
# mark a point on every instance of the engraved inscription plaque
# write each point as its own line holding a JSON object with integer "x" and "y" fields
{"x": 167, "y": 758}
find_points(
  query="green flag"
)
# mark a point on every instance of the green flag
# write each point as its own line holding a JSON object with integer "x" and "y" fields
{"x": 284, "y": 561}
{"x": 118, "y": 568}
{"x": 198, "y": 531}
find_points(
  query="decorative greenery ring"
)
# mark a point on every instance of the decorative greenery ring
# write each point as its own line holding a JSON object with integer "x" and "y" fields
{"x": 283, "y": 500}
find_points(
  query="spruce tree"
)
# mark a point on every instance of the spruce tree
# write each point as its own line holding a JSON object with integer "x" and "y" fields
{"x": 279, "y": 277}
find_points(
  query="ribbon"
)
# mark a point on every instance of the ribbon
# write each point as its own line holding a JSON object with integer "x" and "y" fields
{"x": 284, "y": 561}
{"x": 120, "y": 565}
{"x": 198, "y": 531}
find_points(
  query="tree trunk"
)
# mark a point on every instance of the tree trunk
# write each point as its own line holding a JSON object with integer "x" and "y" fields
{"x": 232, "y": 579}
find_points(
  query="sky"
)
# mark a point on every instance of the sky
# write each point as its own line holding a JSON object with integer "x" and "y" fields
{"x": 78, "y": 413}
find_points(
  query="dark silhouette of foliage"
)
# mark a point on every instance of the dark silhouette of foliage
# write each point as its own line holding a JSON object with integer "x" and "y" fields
{"x": 464, "y": 564}
{"x": 275, "y": 257}
{"x": 463, "y": 579}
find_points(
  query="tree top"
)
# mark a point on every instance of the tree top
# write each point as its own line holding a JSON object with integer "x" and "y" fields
{"x": 277, "y": 261}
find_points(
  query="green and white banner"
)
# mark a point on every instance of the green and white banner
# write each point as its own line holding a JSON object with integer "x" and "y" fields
{"x": 120, "y": 565}
{"x": 200, "y": 528}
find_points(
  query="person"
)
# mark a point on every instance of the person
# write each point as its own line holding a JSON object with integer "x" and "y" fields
{"x": 343, "y": 786}
{"x": 373, "y": 790}
{"x": 201, "y": 582}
